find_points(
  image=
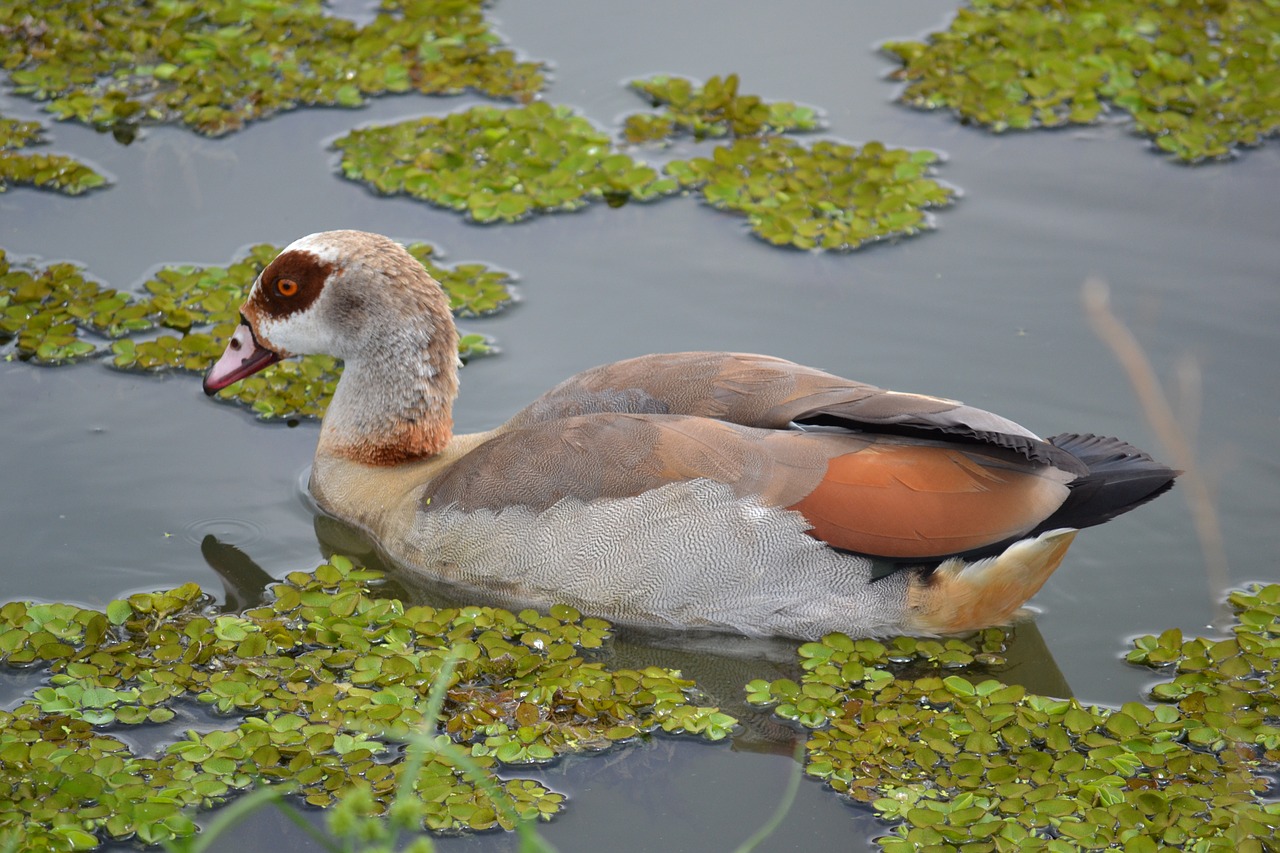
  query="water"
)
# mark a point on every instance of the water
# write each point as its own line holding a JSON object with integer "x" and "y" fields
{"x": 111, "y": 480}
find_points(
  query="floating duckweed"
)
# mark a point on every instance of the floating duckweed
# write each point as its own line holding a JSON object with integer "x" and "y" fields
{"x": 829, "y": 196}
{"x": 1200, "y": 78}
{"x": 44, "y": 171}
{"x": 714, "y": 109}
{"x": 955, "y": 759}
{"x": 499, "y": 164}
{"x": 44, "y": 312}
{"x": 217, "y": 64}
{"x": 1228, "y": 690}
{"x": 186, "y": 296}
{"x": 510, "y": 164}
{"x": 316, "y": 683}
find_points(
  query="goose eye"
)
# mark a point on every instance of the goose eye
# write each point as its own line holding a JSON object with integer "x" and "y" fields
{"x": 286, "y": 287}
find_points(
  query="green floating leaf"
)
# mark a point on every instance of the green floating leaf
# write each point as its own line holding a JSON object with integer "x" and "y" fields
{"x": 320, "y": 683}
{"x": 827, "y": 196}
{"x": 966, "y": 760}
{"x": 714, "y": 109}
{"x": 1201, "y": 79}
{"x": 499, "y": 165}
{"x": 215, "y": 65}
{"x": 44, "y": 171}
{"x": 44, "y": 311}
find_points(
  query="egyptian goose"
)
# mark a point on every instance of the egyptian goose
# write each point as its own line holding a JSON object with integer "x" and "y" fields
{"x": 693, "y": 490}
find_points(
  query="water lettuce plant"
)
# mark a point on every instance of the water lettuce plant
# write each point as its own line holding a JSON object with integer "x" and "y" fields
{"x": 313, "y": 689}
{"x": 499, "y": 164}
{"x": 827, "y": 195}
{"x": 55, "y": 172}
{"x": 1200, "y": 79}
{"x": 711, "y": 110}
{"x": 45, "y": 313}
{"x": 214, "y": 65}
{"x": 956, "y": 758}
{"x": 506, "y": 165}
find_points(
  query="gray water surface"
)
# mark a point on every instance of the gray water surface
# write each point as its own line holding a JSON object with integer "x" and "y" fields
{"x": 111, "y": 480}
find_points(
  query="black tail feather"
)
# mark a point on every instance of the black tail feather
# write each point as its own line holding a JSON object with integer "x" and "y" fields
{"x": 1120, "y": 478}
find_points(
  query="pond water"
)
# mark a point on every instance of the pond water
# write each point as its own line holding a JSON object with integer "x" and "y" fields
{"x": 112, "y": 480}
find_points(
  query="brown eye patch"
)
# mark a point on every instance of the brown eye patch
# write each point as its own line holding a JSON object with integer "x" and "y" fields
{"x": 291, "y": 283}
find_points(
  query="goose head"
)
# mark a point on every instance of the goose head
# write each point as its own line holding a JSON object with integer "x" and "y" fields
{"x": 364, "y": 299}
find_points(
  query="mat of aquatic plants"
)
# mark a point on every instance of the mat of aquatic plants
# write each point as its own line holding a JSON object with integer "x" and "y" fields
{"x": 315, "y": 688}
{"x": 953, "y": 759}
{"x": 505, "y": 165}
{"x": 1200, "y": 79}
{"x": 50, "y": 315}
{"x": 214, "y": 65}
{"x": 56, "y": 172}
{"x": 499, "y": 164}
{"x": 319, "y": 685}
{"x": 711, "y": 110}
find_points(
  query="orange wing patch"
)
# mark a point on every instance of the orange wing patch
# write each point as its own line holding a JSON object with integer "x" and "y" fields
{"x": 911, "y": 501}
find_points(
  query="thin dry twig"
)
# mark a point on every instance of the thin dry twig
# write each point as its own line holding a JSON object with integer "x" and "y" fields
{"x": 1159, "y": 413}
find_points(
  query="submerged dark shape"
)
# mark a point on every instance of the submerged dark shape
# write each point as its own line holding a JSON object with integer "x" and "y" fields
{"x": 699, "y": 490}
